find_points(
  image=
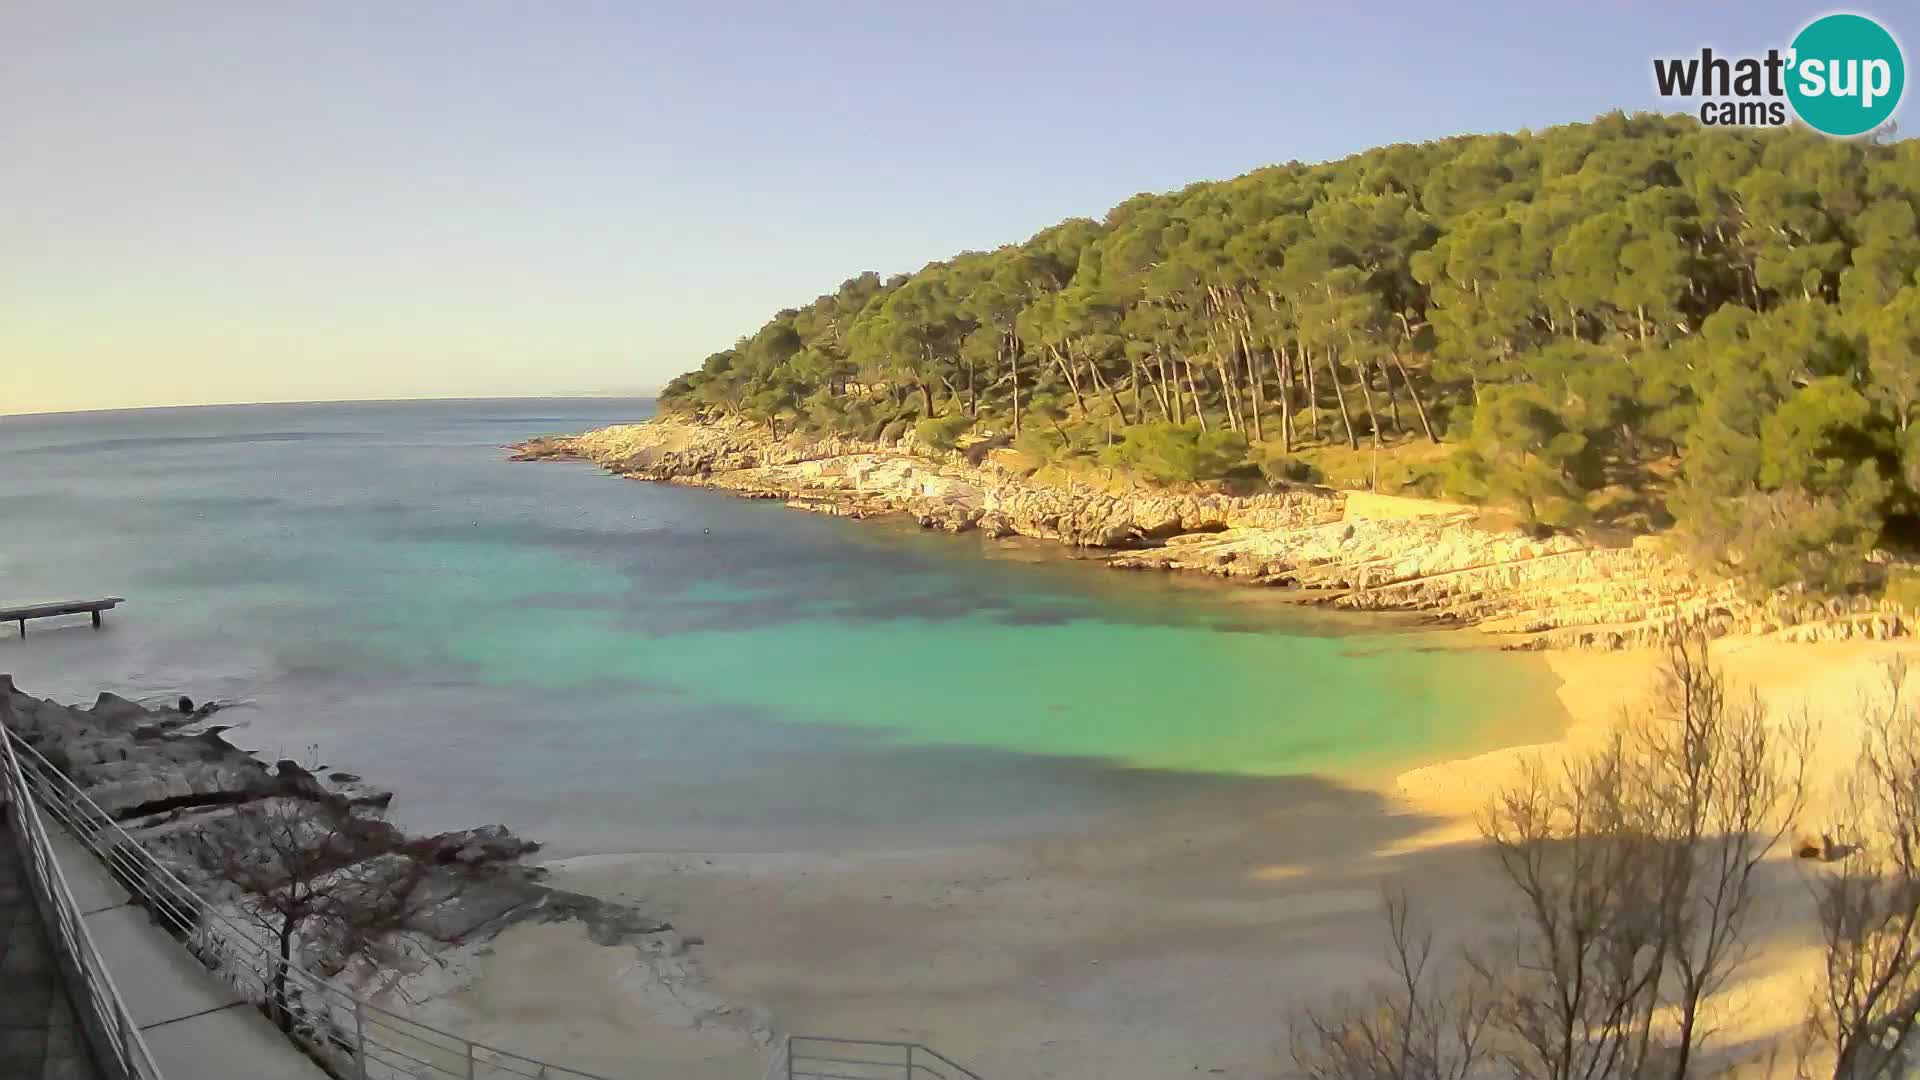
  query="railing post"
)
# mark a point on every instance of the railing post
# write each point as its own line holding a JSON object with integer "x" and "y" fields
{"x": 789, "y": 1057}
{"x": 360, "y": 1036}
{"x": 909, "y": 1075}
{"x": 469, "y": 1058}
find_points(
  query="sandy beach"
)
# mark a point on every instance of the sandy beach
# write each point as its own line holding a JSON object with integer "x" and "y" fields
{"x": 1155, "y": 945}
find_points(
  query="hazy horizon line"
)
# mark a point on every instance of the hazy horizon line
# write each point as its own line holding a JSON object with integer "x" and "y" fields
{"x": 622, "y": 396}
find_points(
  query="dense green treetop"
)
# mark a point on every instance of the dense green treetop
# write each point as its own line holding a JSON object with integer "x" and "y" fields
{"x": 1637, "y": 320}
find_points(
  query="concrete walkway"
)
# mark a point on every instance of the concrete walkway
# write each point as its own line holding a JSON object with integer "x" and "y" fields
{"x": 40, "y": 1039}
{"x": 195, "y": 1024}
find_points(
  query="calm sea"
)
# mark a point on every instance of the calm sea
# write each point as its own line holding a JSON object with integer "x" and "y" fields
{"x": 611, "y": 666}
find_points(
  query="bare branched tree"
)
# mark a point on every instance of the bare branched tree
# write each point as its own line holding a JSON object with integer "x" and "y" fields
{"x": 1636, "y": 872}
{"x": 1585, "y": 954}
{"x": 312, "y": 867}
{"x": 1869, "y": 903}
{"x": 1420, "y": 1026}
{"x": 1719, "y": 786}
{"x": 1636, "y": 869}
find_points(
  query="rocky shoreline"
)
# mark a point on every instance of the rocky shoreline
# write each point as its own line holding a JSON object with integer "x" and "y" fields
{"x": 172, "y": 782}
{"x": 1352, "y": 550}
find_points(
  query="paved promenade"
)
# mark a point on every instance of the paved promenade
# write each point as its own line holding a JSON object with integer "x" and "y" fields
{"x": 40, "y": 1039}
{"x": 194, "y": 1023}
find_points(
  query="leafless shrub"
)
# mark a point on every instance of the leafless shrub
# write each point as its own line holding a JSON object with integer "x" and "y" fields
{"x": 1868, "y": 903}
{"x": 1720, "y": 785}
{"x": 1585, "y": 953}
{"x": 1421, "y": 1026}
{"x": 312, "y": 868}
{"x": 1636, "y": 872}
{"x": 1634, "y": 869}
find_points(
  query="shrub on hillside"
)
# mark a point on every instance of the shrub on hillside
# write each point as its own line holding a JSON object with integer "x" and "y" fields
{"x": 942, "y": 432}
{"x": 1177, "y": 453}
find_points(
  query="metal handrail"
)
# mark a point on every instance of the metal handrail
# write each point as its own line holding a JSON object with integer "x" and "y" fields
{"x": 816, "y": 1057}
{"x": 118, "y": 1044}
{"x": 363, "y": 1040}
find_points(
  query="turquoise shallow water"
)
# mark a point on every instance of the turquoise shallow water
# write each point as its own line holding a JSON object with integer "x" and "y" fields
{"x": 609, "y": 665}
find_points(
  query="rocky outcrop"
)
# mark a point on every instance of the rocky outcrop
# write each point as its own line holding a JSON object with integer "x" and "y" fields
{"x": 172, "y": 786}
{"x": 1350, "y": 550}
{"x": 164, "y": 785}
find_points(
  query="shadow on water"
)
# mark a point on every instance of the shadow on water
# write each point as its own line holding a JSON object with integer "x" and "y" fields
{"x": 699, "y": 775}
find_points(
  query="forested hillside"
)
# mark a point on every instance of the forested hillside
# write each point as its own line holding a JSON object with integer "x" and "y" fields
{"x": 1637, "y": 321}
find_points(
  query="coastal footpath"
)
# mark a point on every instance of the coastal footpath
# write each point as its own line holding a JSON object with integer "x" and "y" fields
{"x": 1354, "y": 550}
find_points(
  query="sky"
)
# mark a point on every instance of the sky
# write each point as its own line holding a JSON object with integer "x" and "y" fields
{"x": 223, "y": 202}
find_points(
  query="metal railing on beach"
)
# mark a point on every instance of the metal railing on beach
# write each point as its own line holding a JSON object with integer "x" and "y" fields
{"x": 809, "y": 1057}
{"x": 118, "y": 1048}
{"x": 352, "y": 1036}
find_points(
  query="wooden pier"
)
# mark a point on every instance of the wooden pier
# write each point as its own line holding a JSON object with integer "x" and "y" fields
{"x": 64, "y": 607}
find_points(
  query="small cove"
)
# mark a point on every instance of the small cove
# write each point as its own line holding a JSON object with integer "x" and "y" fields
{"x": 608, "y": 665}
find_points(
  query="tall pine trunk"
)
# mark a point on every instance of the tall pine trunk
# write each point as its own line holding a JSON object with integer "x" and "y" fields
{"x": 1253, "y": 385}
{"x": 1366, "y": 396}
{"x": 1065, "y": 362}
{"x": 1393, "y": 397}
{"x": 1113, "y": 395}
{"x": 1414, "y": 393}
{"x": 1193, "y": 391}
{"x": 1313, "y": 392}
{"x": 1013, "y": 360}
{"x": 1228, "y": 391}
{"x": 1340, "y": 397}
{"x": 1283, "y": 366}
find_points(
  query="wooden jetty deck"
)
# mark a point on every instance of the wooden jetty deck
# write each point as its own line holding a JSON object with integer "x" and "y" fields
{"x": 64, "y": 607}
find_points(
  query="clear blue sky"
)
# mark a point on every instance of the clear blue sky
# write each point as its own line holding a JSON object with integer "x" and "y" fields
{"x": 238, "y": 202}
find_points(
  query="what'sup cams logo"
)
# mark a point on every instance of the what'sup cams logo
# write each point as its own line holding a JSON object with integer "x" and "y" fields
{"x": 1843, "y": 75}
